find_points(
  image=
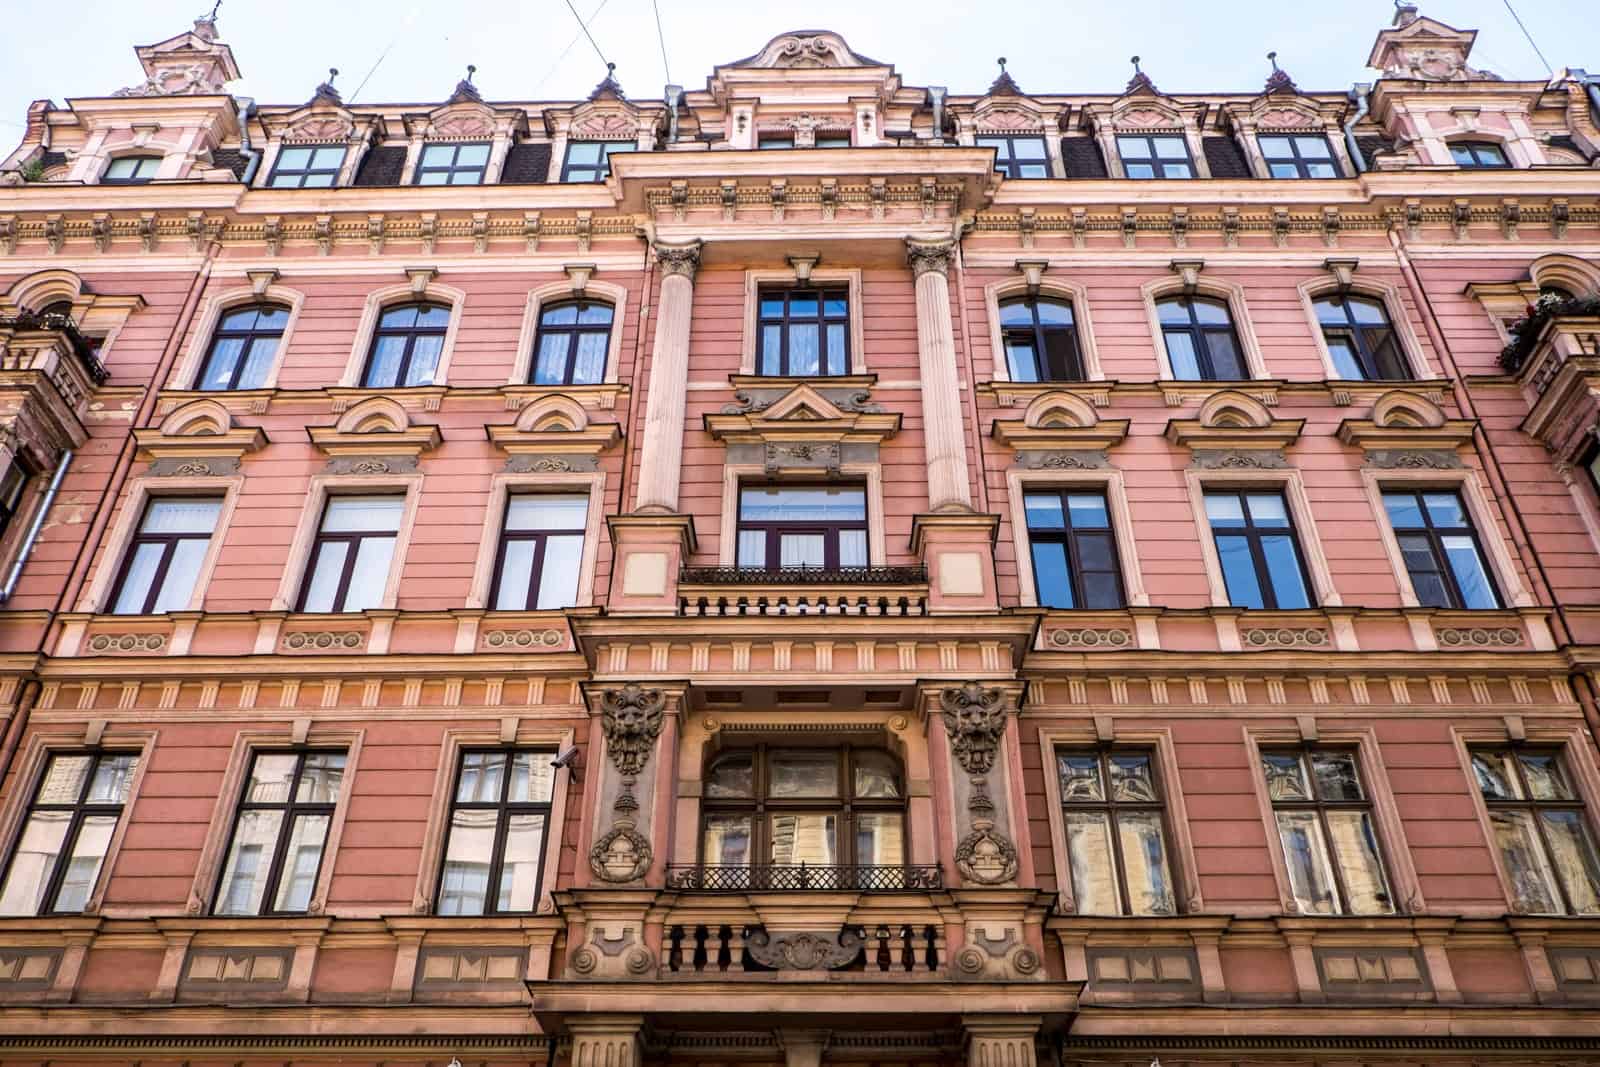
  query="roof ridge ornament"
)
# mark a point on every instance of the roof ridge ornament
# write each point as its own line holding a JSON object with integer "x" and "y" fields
{"x": 1004, "y": 85}
{"x": 326, "y": 93}
{"x": 1279, "y": 81}
{"x": 465, "y": 91}
{"x": 609, "y": 86}
{"x": 1140, "y": 82}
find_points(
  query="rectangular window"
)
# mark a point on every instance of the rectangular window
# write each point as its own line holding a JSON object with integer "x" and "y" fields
{"x": 775, "y": 140}
{"x": 833, "y": 140}
{"x": 1441, "y": 549}
{"x": 1257, "y": 549}
{"x": 354, "y": 550}
{"x": 453, "y": 164}
{"x": 590, "y": 161}
{"x": 1074, "y": 552}
{"x": 307, "y": 167}
{"x": 279, "y": 833}
{"x": 67, "y": 832}
{"x": 498, "y": 821}
{"x": 1479, "y": 155}
{"x": 131, "y": 170}
{"x": 1541, "y": 829}
{"x": 163, "y": 561}
{"x": 13, "y": 492}
{"x": 541, "y": 552}
{"x": 1324, "y": 819}
{"x": 1298, "y": 155}
{"x": 1160, "y": 156}
{"x": 1116, "y": 833}
{"x": 817, "y": 527}
{"x": 1017, "y": 157}
{"x": 803, "y": 333}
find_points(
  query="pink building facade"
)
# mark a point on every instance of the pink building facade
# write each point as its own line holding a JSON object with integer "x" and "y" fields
{"x": 809, "y": 569}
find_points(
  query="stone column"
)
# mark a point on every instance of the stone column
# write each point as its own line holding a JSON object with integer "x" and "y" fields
{"x": 943, "y": 440}
{"x": 661, "y": 461}
{"x": 1000, "y": 1040}
{"x": 605, "y": 1040}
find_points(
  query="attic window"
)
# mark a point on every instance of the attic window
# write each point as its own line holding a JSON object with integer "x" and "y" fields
{"x": 307, "y": 167}
{"x": 1017, "y": 157}
{"x": 131, "y": 170}
{"x": 590, "y": 161}
{"x": 1298, "y": 156}
{"x": 453, "y": 164}
{"x": 1479, "y": 155}
{"x": 775, "y": 140}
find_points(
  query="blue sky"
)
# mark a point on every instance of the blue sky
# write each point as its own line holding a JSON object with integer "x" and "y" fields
{"x": 532, "y": 50}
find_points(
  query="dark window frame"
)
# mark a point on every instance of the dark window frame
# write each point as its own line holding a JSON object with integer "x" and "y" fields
{"x": 775, "y": 529}
{"x": 300, "y": 174}
{"x": 136, "y": 179}
{"x": 1529, "y": 803}
{"x": 1199, "y": 334}
{"x": 1476, "y": 149}
{"x": 574, "y": 332}
{"x": 774, "y": 142}
{"x": 845, "y": 804}
{"x": 1302, "y": 164}
{"x": 1366, "y": 353}
{"x": 1590, "y": 462}
{"x": 1253, "y": 534}
{"x": 601, "y": 167}
{"x": 1322, "y": 806}
{"x": 1433, "y": 534}
{"x": 291, "y": 809}
{"x": 505, "y": 809}
{"x": 541, "y": 538}
{"x": 1011, "y": 166}
{"x": 80, "y": 811}
{"x": 1111, "y": 806}
{"x": 821, "y": 320}
{"x": 411, "y": 334}
{"x": 352, "y": 539}
{"x": 248, "y": 336}
{"x": 481, "y": 170}
{"x": 169, "y": 543}
{"x": 14, "y": 486}
{"x": 832, "y": 139}
{"x": 1069, "y": 537}
{"x": 1156, "y": 162}
{"x": 1037, "y": 335}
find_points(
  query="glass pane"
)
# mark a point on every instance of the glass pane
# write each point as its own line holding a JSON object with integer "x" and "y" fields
{"x": 326, "y": 568}
{"x": 752, "y": 548}
{"x": 804, "y": 774}
{"x": 1022, "y": 360}
{"x": 1239, "y": 571}
{"x": 472, "y": 155}
{"x": 804, "y": 837}
{"x": 244, "y": 879}
{"x": 113, "y": 778}
{"x": 1173, "y": 312}
{"x": 726, "y": 839}
{"x": 1133, "y": 147}
{"x": 1313, "y": 147}
{"x": 1094, "y": 872}
{"x": 383, "y": 369}
{"x": 1226, "y": 362}
{"x": 1277, "y": 147}
{"x": 1533, "y": 888}
{"x": 1032, "y": 170}
{"x": 1477, "y": 591}
{"x": 294, "y": 158}
{"x": 772, "y": 350}
{"x": 1404, "y": 510}
{"x": 1088, "y": 511}
{"x": 83, "y": 866}
{"x": 1140, "y": 170}
{"x": 1181, "y": 354}
{"x": 1337, "y": 777}
{"x": 1016, "y": 313}
{"x": 803, "y": 305}
{"x": 560, "y": 315}
{"x": 1080, "y": 777}
{"x": 1171, "y": 148}
{"x": 482, "y": 776}
{"x": 773, "y": 504}
{"x": 583, "y": 152}
{"x": 835, "y": 305}
{"x": 1094, "y": 553}
{"x": 1321, "y": 170}
{"x": 219, "y": 366}
{"x": 1546, "y": 780}
{"x": 589, "y": 365}
{"x": 1282, "y": 557}
{"x": 1342, "y": 350}
{"x": 1445, "y": 509}
{"x": 550, "y": 363}
{"x": 1285, "y": 776}
{"x": 772, "y": 305}
{"x": 1305, "y": 853}
{"x": 732, "y": 775}
{"x": 1284, "y": 170}
{"x": 516, "y": 576}
{"x": 852, "y": 548}
{"x": 1132, "y": 778}
{"x": 181, "y": 515}
{"x": 464, "y": 884}
{"x": 33, "y": 861}
{"x": 321, "y": 776}
{"x": 370, "y": 575}
{"x": 1101, "y": 590}
{"x": 876, "y": 775}
{"x": 533, "y": 778}
{"x": 1267, "y": 509}
{"x": 547, "y": 511}
{"x": 271, "y": 778}
{"x": 558, "y": 578}
{"x": 424, "y": 360}
{"x": 1052, "y": 578}
{"x": 880, "y": 838}
{"x": 1496, "y": 779}
{"x": 836, "y": 349}
{"x": 1225, "y": 509}
{"x": 356, "y": 514}
{"x": 1572, "y": 853}
{"x": 1044, "y": 511}
{"x": 438, "y": 155}
{"x": 1144, "y": 863}
{"x": 1355, "y": 849}
{"x": 262, "y": 349}
{"x": 803, "y": 352}
{"x": 519, "y": 868}
{"x": 182, "y": 573}
{"x": 300, "y": 862}
{"x": 136, "y": 582}
{"x": 800, "y": 550}
{"x": 399, "y": 317}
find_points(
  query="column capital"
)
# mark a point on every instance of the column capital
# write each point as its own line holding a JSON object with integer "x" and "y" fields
{"x": 925, "y": 256}
{"x": 681, "y": 259}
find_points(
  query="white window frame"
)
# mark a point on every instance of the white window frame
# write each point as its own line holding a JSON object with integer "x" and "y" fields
{"x": 560, "y": 292}
{"x": 322, "y": 487}
{"x": 186, "y": 374}
{"x": 1073, "y": 293}
{"x": 1231, "y": 293}
{"x": 1109, "y": 481}
{"x": 505, "y": 486}
{"x": 378, "y": 301}
{"x": 1286, "y": 481}
{"x": 1411, "y": 349}
{"x": 754, "y": 280}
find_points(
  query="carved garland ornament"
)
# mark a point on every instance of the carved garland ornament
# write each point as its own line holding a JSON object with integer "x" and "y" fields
{"x": 975, "y": 719}
{"x": 631, "y": 719}
{"x": 804, "y": 951}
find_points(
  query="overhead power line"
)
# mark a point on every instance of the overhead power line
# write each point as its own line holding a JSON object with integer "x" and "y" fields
{"x": 662, "y": 37}
{"x": 1548, "y": 69}
{"x": 581, "y": 25}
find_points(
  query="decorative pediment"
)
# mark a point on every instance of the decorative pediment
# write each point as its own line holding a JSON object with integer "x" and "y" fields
{"x": 466, "y": 118}
{"x": 804, "y": 50}
{"x": 1008, "y": 113}
{"x": 193, "y": 63}
{"x": 606, "y": 117}
{"x": 803, "y": 413}
{"x": 556, "y": 425}
{"x": 1402, "y": 420}
{"x": 322, "y": 120}
{"x": 1234, "y": 420}
{"x": 1424, "y": 49}
{"x": 198, "y": 428}
{"x": 1059, "y": 420}
{"x": 375, "y": 427}
{"x": 1285, "y": 111}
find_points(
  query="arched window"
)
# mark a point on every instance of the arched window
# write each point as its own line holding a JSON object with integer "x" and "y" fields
{"x": 767, "y": 808}
{"x": 1201, "y": 342}
{"x": 131, "y": 170}
{"x": 1041, "y": 340}
{"x": 571, "y": 345}
{"x": 1478, "y": 155}
{"x": 1360, "y": 338}
{"x": 242, "y": 348}
{"x": 406, "y": 346}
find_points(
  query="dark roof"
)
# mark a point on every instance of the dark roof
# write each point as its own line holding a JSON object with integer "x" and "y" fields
{"x": 231, "y": 159}
{"x": 382, "y": 165}
{"x": 1081, "y": 156}
{"x": 1561, "y": 140}
{"x": 1224, "y": 158}
{"x": 52, "y": 159}
{"x": 526, "y": 164}
{"x": 1371, "y": 147}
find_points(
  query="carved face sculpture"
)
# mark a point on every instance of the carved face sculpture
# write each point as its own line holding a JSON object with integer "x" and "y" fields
{"x": 974, "y": 717}
{"x": 631, "y": 717}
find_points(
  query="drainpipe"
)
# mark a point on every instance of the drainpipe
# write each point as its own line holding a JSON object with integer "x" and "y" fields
{"x": 674, "y": 98}
{"x": 246, "y": 106}
{"x": 1358, "y": 97}
{"x": 936, "y": 94}
{"x": 36, "y": 525}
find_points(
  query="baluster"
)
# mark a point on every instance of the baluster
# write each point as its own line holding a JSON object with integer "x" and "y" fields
{"x": 882, "y": 959}
{"x": 937, "y": 956}
{"x": 907, "y": 935}
{"x": 675, "y": 953}
{"x": 722, "y": 938}
{"x": 698, "y": 957}
{"x": 736, "y": 938}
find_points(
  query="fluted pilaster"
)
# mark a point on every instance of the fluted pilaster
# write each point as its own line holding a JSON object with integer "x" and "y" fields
{"x": 660, "y": 464}
{"x": 942, "y": 435}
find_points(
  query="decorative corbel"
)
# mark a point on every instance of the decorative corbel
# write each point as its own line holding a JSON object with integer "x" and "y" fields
{"x": 530, "y": 230}
{"x": 680, "y": 198}
{"x": 143, "y": 131}
{"x": 1080, "y": 227}
{"x": 428, "y": 230}
{"x": 878, "y": 188}
{"x": 8, "y": 234}
{"x": 1461, "y": 217}
{"x": 1559, "y": 217}
{"x": 1130, "y": 226}
{"x": 1230, "y": 227}
{"x": 929, "y": 188}
{"x": 1280, "y": 226}
{"x": 778, "y": 193}
{"x": 1027, "y": 225}
{"x": 802, "y": 265}
{"x": 578, "y": 274}
{"x": 1510, "y": 218}
{"x": 147, "y": 231}
{"x": 1032, "y": 271}
{"x": 55, "y": 232}
{"x": 631, "y": 719}
{"x": 1189, "y": 270}
{"x": 730, "y": 198}
{"x": 272, "y": 233}
{"x": 1180, "y": 227}
{"x": 259, "y": 280}
{"x": 1343, "y": 271}
{"x": 1413, "y": 219}
{"x": 420, "y": 278}
{"x": 975, "y": 720}
{"x": 195, "y": 228}
{"x": 1331, "y": 223}
{"x": 480, "y": 232}
{"x": 829, "y": 192}
{"x": 100, "y": 229}
{"x": 323, "y": 232}
{"x": 585, "y": 231}
{"x": 375, "y": 227}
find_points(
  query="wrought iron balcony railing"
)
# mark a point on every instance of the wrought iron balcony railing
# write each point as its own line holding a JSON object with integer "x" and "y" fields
{"x": 81, "y": 348}
{"x": 803, "y": 877}
{"x": 911, "y": 575}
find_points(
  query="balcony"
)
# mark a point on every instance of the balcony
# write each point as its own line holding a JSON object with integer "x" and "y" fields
{"x": 48, "y": 377}
{"x": 899, "y": 949}
{"x": 1555, "y": 355}
{"x": 896, "y": 591}
{"x": 788, "y": 878}
{"x": 16, "y": 333}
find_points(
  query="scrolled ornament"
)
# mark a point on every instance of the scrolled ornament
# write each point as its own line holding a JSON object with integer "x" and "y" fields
{"x": 975, "y": 719}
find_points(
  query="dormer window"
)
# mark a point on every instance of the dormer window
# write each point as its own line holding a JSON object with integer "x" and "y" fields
{"x": 453, "y": 164}
{"x": 1300, "y": 155}
{"x": 1017, "y": 156}
{"x": 131, "y": 170}
{"x": 1478, "y": 155}
{"x": 1155, "y": 156}
{"x": 590, "y": 161}
{"x": 307, "y": 168}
